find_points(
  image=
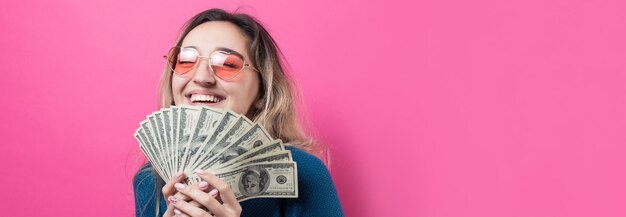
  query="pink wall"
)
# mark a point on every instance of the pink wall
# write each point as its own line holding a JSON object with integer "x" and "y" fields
{"x": 437, "y": 108}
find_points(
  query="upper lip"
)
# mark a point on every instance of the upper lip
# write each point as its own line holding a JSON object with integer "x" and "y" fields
{"x": 204, "y": 92}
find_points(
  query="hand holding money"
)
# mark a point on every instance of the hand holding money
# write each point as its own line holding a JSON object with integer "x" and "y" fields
{"x": 212, "y": 194}
{"x": 239, "y": 152}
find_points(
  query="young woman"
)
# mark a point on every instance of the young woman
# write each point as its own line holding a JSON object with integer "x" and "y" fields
{"x": 258, "y": 88}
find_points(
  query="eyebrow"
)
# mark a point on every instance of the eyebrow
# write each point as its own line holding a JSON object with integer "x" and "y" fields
{"x": 228, "y": 50}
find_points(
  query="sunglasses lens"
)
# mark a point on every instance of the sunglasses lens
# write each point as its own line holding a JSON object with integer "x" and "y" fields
{"x": 226, "y": 65}
{"x": 182, "y": 60}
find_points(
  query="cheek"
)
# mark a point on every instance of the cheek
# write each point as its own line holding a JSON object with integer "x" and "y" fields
{"x": 243, "y": 96}
{"x": 249, "y": 93}
{"x": 178, "y": 84}
{"x": 252, "y": 90}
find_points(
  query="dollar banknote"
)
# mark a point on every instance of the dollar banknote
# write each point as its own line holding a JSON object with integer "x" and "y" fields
{"x": 242, "y": 153}
{"x": 263, "y": 150}
{"x": 268, "y": 180}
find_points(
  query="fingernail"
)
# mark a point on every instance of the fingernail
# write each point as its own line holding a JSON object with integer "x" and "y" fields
{"x": 172, "y": 199}
{"x": 180, "y": 186}
{"x": 203, "y": 185}
{"x": 177, "y": 212}
{"x": 199, "y": 172}
{"x": 179, "y": 174}
{"x": 213, "y": 193}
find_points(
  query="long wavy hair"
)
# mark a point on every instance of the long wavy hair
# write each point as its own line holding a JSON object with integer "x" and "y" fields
{"x": 278, "y": 114}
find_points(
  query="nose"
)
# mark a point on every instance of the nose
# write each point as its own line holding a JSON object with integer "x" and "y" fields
{"x": 203, "y": 75}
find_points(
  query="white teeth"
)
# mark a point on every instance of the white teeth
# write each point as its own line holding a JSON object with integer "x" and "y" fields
{"x": 204, "y": 98}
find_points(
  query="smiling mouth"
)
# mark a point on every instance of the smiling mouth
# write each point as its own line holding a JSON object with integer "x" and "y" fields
{"x": 202, "y": 99}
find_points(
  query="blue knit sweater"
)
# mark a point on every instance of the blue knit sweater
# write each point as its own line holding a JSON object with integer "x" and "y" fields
{"x": 316, "y": 191}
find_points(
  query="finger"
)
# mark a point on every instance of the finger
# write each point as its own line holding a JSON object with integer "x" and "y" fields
{"x": 206, "y": 199}
{"x": 178, "y": 213}
{"x": 183, "y": 208}
{"x": 168, "y": 188}
{"x": 181, "y": 196}
{"x": 196, "y": 204}
{"x": 204, "y": 186}
{"x": 171, "y": 209}
{"x": 227, "y": 195}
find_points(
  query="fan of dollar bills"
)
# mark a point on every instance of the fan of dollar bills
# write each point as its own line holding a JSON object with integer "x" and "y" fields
{"x": 239, "y": 151}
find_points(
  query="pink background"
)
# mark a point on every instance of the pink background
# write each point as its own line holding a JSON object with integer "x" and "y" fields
{"x": 432, "y": 108}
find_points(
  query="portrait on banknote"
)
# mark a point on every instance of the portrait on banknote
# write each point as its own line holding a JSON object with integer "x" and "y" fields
{"x": 254, "y": 181}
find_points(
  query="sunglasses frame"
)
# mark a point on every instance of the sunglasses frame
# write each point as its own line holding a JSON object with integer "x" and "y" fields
{"x": 199, "y": 58}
